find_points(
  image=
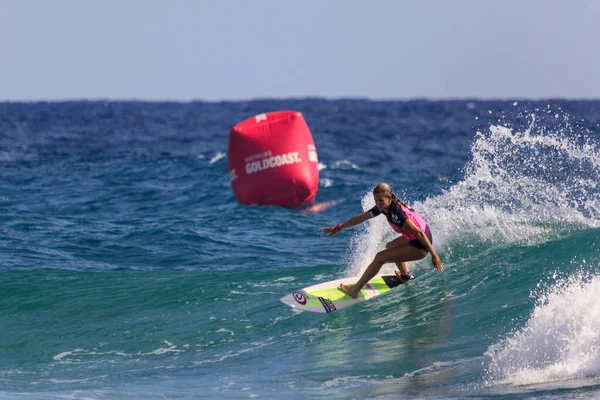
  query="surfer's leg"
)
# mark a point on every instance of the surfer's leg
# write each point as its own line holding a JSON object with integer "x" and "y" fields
{"x": 399, "y": 241}
{"x": 370, "y": 272}
{"x": 402, "y": 269}
{"x": 397, "y": 254}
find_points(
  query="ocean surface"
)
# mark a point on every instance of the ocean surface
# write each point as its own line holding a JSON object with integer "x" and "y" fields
{"x": 128, "y": 270}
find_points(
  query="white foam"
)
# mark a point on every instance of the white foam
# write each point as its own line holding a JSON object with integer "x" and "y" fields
{"x": 286, "y": 279}
{"x": 64, "y": 354}
{"x": 325, "y": 182}
{"x": 171, "y": 348}
{"x": 164, "y": 350}
{"x": 233, "y": 354}
{"x": 346, "y": 380}
{"x": 520, "y": 187}
{"x": 560, "y": 341}
{"x": 344, "y": 164}
{"x": 218, "y": 157}
{"x": 516, "y": 188}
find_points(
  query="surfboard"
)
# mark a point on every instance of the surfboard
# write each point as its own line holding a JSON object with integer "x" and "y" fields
{"x": 327, "y": 298}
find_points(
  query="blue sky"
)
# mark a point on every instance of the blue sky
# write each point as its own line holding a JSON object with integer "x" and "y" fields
{"x": 235, "y": 49}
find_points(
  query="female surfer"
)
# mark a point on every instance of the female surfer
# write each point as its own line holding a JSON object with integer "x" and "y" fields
{"x": 414, "y": 244}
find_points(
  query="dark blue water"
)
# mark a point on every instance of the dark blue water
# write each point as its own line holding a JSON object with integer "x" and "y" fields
{"x": 128, "y": 270}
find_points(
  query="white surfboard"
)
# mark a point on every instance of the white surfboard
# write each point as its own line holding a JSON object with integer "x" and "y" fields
{"x": 327, "y": 298}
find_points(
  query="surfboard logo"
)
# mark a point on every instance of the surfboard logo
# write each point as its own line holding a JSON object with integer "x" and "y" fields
{"x": 300, "y": 297}
{"x": 327, "y": 305}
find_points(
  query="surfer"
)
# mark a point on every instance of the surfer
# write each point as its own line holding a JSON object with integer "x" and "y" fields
{"x": 414, "y": 244}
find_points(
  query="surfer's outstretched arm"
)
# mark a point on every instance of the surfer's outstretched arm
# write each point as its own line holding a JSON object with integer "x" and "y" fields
{"x": 355, "y": 220}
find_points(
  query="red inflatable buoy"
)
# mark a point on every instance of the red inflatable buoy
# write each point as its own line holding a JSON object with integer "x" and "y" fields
{"x": 273, "y": 160}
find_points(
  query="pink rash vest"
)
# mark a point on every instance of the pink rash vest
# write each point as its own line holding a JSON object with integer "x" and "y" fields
{"x": 398, "y": 215}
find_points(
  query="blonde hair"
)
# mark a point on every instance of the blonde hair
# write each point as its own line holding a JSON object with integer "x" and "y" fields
{"x": 386, "y": 190}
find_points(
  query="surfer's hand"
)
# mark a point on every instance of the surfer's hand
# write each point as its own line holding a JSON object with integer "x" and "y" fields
{"x": 437, "y": 263}
{"x": 332, "y": 230}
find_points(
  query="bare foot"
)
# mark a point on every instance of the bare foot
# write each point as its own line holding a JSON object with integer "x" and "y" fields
{"x": 398, "y": 274}
{"x": 348, "y": 290}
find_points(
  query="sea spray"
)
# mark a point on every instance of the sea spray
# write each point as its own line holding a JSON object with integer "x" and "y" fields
{"x": 521, "y": 186}
{"x": 560, "y": 341}
{"x": 369, "y": 240}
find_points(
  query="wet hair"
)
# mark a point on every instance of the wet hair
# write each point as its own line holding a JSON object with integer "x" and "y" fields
{"x": 386, "y": 190}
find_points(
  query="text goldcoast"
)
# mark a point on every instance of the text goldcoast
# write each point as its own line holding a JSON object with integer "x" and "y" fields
{"x": 272, "y": 162}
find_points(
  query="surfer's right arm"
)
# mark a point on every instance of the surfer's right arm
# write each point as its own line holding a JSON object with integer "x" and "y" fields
{"x": 357, "y": 219}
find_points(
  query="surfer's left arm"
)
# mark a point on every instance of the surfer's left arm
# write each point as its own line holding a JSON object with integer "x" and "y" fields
{"x": 413, "y": 228}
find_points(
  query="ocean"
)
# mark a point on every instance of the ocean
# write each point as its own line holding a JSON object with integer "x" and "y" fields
{"x": 128, "y": 270}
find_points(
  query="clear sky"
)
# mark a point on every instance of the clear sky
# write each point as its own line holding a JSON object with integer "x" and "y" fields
{"x": 245, "y": 49}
